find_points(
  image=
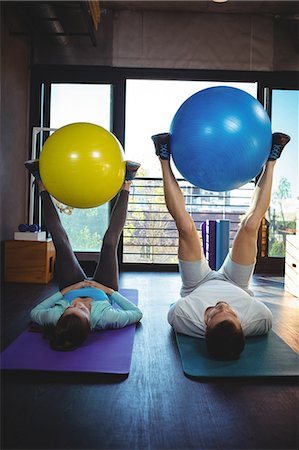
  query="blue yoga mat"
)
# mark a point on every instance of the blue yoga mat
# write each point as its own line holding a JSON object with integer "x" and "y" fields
{"x": 108, "y": 351}
{"x": 263, "y": 356}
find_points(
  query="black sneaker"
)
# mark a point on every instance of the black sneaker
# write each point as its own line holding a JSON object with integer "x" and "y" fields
{"x": 162, "y": 145}
{"x": 279, "y": 141}
{"x": 131, "y": 170}
{"x": 33, "y": 167}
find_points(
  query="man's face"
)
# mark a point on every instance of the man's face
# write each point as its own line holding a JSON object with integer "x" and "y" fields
{"x": 219, "y": 313}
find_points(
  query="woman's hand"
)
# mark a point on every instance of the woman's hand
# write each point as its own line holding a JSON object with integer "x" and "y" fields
{"x": 96, "y": 285}
{"x": 79, "y": 285}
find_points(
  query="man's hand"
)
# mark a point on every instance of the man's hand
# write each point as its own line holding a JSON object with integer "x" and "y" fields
{"x": 96, "y": 285}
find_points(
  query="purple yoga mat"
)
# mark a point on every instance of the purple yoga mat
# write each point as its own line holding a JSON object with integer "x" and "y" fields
{"x": 108, "y": 351}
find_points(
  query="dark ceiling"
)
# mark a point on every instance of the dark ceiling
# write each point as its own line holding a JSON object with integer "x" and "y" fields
{"x": 60, "y": 20}
{"x": 231, "y": 6}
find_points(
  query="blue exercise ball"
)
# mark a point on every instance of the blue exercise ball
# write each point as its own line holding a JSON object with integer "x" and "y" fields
{"x": 220, "y": 138}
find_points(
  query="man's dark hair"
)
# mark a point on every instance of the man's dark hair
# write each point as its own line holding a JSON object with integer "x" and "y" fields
{"x": 225, "y": 340}
{"x": 69, "y": 333}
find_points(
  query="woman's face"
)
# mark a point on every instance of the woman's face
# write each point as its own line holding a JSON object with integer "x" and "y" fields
{"x": 79, "y": 309}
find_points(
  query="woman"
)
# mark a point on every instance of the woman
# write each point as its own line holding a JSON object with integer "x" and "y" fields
{"x": 82, "y": 305}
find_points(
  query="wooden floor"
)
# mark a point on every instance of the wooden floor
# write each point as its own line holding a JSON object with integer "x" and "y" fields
{"x": 156, "y": 407}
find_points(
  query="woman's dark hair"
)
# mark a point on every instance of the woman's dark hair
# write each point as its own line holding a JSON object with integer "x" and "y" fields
{"x": 225, "y": 340}
{"x": 70, "y": 332}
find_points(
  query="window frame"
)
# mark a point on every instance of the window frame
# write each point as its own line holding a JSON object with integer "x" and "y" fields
{"x": 286, "y": 81}
{"x": 116, "y": 77}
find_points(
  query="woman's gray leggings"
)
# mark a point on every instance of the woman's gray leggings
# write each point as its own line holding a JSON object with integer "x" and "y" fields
{"x": 67, "y": 268}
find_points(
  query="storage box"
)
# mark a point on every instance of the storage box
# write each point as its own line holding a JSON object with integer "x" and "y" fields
{"x": 29, "y": 261}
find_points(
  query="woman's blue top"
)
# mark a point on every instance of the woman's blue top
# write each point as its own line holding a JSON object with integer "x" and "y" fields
{"x": 107, "y": 311}
{"x": 95, "y": 294}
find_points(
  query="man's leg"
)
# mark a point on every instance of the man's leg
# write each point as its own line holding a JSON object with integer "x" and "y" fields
{"x": 244, "y": 248}
{"x": 107, "y": 272}
{"x": 190, "y": 248}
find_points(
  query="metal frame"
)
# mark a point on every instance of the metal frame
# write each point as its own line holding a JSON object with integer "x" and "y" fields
{"x": 34, "y": 155}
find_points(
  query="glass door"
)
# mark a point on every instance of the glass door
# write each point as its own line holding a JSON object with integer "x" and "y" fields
{"x": 150, "y": 236}
{"x": 70, "y": 103}
{"x": 282, "y": 211}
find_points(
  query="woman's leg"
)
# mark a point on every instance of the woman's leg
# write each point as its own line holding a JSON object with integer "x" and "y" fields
{"x": 107, "y": 271}
{"x": 67, "y": 268}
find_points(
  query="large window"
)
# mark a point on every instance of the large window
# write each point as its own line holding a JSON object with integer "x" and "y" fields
{"x": 282, "y": 211}
{"x": 150, "y": 236}
{"x": 72, "y": 103}
{"x": 137, "y": 103}
{"x": 150, "y": 108}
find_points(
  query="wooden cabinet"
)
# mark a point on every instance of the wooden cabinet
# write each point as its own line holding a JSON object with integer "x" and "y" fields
{"x": 29, "y": 262}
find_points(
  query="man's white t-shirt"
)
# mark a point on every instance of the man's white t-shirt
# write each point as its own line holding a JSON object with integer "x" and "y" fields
{"x": 187, "y": 314}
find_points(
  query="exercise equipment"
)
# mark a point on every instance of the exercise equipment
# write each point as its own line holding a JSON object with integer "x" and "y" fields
{"x": 33, "y": 228}
{"x": 23, "y": 227}
{"x": 215, "y": 241}
{"x": 82, "y": 165}
{"x": 108, "y": 351}
{"x": 263, "y": 356}
{"x": 220, "y": 138}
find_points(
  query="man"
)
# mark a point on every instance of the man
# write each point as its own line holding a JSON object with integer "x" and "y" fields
{"x": 218, "y": 305}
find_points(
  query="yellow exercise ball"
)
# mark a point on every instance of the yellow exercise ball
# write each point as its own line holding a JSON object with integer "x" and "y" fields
{"x": 82, "y": 165}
